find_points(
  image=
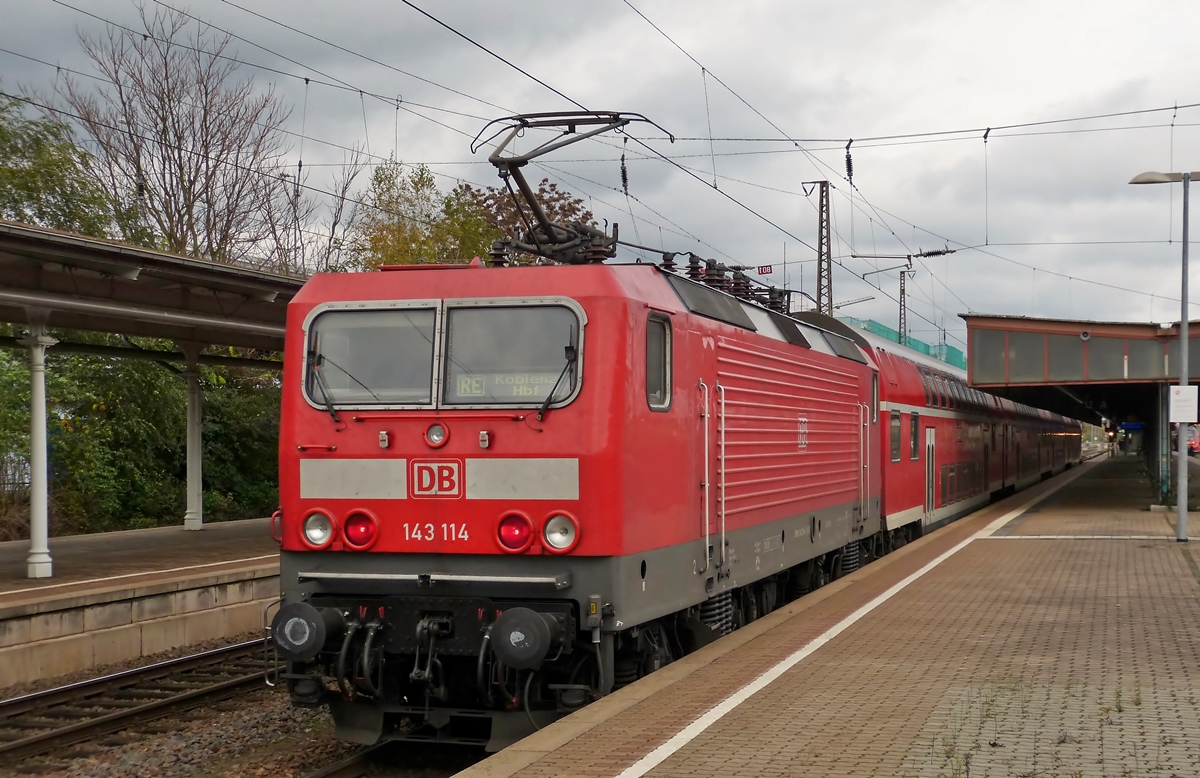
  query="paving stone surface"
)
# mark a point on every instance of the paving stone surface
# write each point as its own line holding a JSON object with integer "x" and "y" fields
{"x": 1013, "y": 657}
{"x": 79, "y": 558}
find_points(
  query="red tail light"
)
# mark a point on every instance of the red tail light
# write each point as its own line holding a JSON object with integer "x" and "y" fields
{"x": 515, "y": 532}
{"x": 360, "y": 530}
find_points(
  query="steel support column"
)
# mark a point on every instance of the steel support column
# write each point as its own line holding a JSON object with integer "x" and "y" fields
{"x": 39, "y": 564}
{"x": 193, "y": 519}
{"x": 1181, "y": 494}
{"x": 824, "y": 254}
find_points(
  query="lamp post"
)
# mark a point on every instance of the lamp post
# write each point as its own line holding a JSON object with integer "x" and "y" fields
{"x": 1181, "y": 518}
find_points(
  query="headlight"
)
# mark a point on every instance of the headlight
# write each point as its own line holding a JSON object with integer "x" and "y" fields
{"x": 436, "y": 435}
{"x": 318, "y": 529}
{"x": 560, "y": 532}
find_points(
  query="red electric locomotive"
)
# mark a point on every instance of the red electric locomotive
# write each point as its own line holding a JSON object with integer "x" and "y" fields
{"x": 509, "y": 490}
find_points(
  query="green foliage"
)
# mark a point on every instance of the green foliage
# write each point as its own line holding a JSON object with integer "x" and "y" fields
{"x": 467, "y": 228}
{"x": 409, "y": 221}
{"x": 241, "y": 443}
{"x": 116, "y": 430}
{"x": 43, "y": 175}
{"x": 117, "y": 440}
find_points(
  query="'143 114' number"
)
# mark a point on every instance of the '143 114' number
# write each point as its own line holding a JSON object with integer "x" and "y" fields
{"x": 427, "y": 532}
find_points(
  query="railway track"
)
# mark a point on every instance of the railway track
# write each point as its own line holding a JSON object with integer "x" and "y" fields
{"x": 353, "y": 766}
{"x": 49, "y": 720}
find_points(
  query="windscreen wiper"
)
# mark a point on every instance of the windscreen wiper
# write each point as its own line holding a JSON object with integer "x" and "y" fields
{"x": 571, "y": 355}
{"x": 319, "y": 380}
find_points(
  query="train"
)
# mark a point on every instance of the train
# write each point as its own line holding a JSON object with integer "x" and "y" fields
{"x": 508, "y": 489}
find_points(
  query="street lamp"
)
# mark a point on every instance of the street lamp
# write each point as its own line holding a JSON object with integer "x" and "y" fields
{"x": 1181, "y": 520}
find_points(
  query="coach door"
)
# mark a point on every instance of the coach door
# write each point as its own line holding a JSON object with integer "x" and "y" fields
{"x": 1003, "y": 455}
{"x": 930, "y": 474}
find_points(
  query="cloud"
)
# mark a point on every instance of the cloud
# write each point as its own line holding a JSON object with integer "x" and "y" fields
{"x": 817, "y": 70}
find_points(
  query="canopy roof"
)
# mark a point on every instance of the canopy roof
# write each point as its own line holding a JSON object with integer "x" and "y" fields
{"x": 85, "y": 283}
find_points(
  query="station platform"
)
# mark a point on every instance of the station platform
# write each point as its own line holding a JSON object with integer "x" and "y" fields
{"x": 1053, "y": 633}
{"x": 122, "y": 595}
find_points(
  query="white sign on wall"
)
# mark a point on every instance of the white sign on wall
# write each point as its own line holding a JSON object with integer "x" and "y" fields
{"x": 1183, "y": 404}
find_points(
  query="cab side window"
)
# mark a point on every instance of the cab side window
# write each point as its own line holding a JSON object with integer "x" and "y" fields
{"x": 658, "y": 363}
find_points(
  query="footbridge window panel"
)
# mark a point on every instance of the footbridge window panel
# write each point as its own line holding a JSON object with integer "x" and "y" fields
{"x": 1146, "y": 359}
{"x": 1193, "y": 357}
{"x": 987, "y": 356}
{"x": 1065, "y": 357}
{"x": 1106, "y": 359}
{"x": 1026, "y": 357}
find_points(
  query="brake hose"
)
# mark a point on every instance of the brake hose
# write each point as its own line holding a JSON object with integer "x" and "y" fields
{"x": 370, "y": 683}
{"x": 529, "y": 712}
{"x": 484, "y": 690}
{"x": 347, "y": 690}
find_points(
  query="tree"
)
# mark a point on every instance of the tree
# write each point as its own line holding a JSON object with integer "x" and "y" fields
{"x": 407, "y": 220}
{"x": 192, "y": 155}
{"x": 467, "y": 228}
{"x": 44, "y": 175}
{"x": 512, "y": 219}
{"x": 303, "y": 241}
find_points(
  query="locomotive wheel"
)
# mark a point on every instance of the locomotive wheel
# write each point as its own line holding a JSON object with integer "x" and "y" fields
{"x": 799, "y": 581}
{"x": 750, "y": 607}
{"x": 820, "y": 575}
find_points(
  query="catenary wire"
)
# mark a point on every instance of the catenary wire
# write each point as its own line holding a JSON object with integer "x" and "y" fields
{"x": 480, "y": 46}
{"x": 389, "y": 101}
{"x": 362, "y": 56}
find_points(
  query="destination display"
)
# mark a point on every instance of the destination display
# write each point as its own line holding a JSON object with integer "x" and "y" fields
{"x": 505, "y": 387}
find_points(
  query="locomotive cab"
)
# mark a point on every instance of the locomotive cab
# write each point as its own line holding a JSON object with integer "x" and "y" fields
{"x": 451, "y": 462}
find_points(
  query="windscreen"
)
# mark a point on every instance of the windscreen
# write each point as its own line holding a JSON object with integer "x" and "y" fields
{"x": 510, "y": 355}
{"x": 371, "y": 357}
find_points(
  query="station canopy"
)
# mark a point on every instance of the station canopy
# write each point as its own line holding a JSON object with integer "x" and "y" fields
{"x": 76, "y": 282}
{"x": 51, "y": 279}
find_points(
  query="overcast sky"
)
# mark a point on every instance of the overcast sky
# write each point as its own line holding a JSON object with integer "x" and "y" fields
{"x": 816, "y": 71}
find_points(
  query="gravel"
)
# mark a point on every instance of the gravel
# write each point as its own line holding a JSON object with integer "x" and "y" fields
{"x": 258, "y": 733}
{"x": 41, "y": 684}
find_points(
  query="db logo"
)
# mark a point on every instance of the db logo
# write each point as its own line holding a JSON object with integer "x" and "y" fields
{"x": 436, "y": 478}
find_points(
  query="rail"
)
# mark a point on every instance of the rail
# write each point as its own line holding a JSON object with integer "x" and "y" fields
{"x": 353, "y": 766}
{"x": 41, "y": 722}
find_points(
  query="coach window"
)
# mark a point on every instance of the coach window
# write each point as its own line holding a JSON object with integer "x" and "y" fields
{"x": 925, "y": 385}
{"x": 914, "y": 428}
{"x": 896, "y": 436}
{"x": 658, "y": 363}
